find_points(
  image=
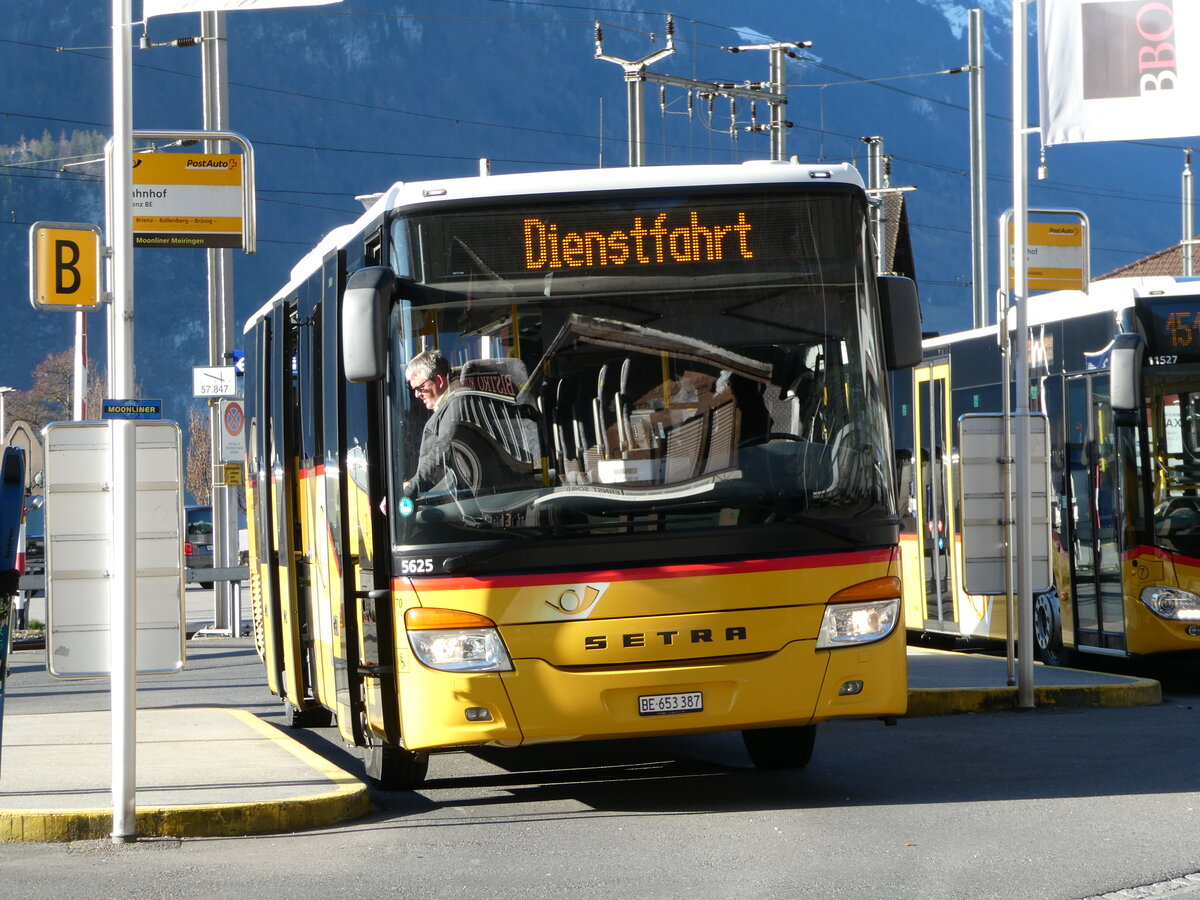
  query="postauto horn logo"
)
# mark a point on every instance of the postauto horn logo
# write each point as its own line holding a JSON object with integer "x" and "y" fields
{"x": 576, "y": 601}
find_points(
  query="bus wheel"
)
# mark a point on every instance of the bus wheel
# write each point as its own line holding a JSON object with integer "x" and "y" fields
{"x": 394, "y": 768}
{"x": 1047, "y": 630}
{"x": 780, "y": 748}
{"x": 313, "y": 717}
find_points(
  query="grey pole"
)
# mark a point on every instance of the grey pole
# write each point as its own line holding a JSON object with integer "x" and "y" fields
{"x": 634, "y": 80}
{"x": 215, "y": 84}
{"x": 1188, "y": 244}
{"x": 978, "y": 103}
{"x": 1020, "y": 298}
{"x": 123, "y": 583}
{"x": 875, "y": 182}
{"x": 779, "y": 89}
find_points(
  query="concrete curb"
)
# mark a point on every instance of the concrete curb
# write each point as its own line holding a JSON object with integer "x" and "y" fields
{"x": 925, "y": 702}
{"x": 348, "y": 799}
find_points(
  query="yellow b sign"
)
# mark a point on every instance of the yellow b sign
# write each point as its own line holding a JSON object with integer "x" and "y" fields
{"x": 64, "y": 266}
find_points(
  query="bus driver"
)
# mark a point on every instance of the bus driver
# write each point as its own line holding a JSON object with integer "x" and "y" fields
{"x": 428, "y": 374}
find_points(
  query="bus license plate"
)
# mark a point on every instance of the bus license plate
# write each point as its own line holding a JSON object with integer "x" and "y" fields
{"x": 665, "y": 704}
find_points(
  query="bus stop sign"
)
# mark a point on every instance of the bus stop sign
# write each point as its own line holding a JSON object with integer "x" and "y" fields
{"x": 64, "y": 266}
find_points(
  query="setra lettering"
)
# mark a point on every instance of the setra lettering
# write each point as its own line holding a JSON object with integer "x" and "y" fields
{"x": 665, "y": 638}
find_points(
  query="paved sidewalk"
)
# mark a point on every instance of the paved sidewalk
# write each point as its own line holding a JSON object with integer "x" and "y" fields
{"x": 55, "y": 770}
{"x": 201, "y": 772}
{"x": 942, "y": 683}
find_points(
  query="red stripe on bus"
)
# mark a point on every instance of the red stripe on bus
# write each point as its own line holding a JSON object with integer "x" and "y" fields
{"x": 649, "y": 573}
{"x": 1159, "y": 553}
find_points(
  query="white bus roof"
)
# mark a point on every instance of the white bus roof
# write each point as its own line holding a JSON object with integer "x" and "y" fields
{"x": 1109, "y": 294}
{"x": 540, "y": 184}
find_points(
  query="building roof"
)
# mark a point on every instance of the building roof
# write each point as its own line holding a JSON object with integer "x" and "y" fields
{"x": 1164, "y": 262}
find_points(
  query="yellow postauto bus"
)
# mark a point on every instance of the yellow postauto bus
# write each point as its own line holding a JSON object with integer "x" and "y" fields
{"x": 1124, "y": 472}
{"x": 663, "y": 499}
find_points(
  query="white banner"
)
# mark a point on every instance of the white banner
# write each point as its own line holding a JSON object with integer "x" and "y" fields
{"x": 167, "y": 7}
{"x": 1118, "y": 70}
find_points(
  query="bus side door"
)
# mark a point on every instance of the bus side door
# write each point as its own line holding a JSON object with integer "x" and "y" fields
{"x": 932, "y": 443}
{"x": 1095, "y": 510}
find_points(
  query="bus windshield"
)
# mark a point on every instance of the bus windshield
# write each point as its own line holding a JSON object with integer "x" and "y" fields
{"x": 727, "y": 371}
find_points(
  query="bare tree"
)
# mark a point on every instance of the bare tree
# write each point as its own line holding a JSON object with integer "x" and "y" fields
{"x": 51, "y": 398}
{"x": 198, "y": 476}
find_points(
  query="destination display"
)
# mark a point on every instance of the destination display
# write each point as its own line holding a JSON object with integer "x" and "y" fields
{"x": 1172, "y": 329}
{"x": 645, "y": 241}
{"x": 687, "y": 236}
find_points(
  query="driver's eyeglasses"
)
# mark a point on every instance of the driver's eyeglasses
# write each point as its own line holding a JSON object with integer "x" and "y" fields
{"x": 422, "y": 388}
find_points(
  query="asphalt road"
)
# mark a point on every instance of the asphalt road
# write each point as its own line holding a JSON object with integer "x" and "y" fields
{"x": 1041, "y": 804}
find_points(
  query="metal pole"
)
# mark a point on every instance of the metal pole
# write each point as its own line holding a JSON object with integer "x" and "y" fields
{"x": 978, "y": 103}
{"x": 637, "y": 118}
{"x": 1189, "y": 232}
{"x": 79, "y": 405}
{"x": 1020, "y": 288}
{"x": 779, "y": 89}
{"x": 123, "y": 585}
{"x": 1002, "y": 307}
{"x": 874, "y": 183}
{"x": 214, "y": 78}
{"x": 3, "y": 421}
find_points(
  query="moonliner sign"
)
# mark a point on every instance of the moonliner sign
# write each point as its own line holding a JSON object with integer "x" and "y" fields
{"x": 187, "y": 200}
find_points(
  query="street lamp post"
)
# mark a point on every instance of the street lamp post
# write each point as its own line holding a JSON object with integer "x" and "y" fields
{"x": 3, "y": 422}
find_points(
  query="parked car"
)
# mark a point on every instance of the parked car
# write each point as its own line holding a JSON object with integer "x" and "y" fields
{"x": 198, "y": 539}
{"x": 31, "y": 556}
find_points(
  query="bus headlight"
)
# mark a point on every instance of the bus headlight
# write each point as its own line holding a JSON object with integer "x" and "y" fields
{"x": 857, "y": 623}
{"x": 860, "y": 614}
{"x": 1172, "y": 603}
{"x": 453, "y": 641}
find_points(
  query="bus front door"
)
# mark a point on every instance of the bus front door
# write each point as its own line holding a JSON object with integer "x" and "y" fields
{"x": 1096, "y": 520}
{"x": 932, "y": 439}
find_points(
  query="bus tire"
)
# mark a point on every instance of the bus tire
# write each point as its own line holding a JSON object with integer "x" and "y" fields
{"x": 1047, "y": 630}
{"x": 394, "y": 768}
{"x": 780, "y": 748}
{"x": 312, "y": 717}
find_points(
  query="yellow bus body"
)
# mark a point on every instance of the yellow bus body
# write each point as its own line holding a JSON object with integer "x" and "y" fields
{"x": 586, "y": 645}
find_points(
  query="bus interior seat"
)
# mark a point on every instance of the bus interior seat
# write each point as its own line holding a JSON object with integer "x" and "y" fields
{"x": 685, "y": 449}
{"x": 496, "y": 442}
{"x": 724, "y": 433}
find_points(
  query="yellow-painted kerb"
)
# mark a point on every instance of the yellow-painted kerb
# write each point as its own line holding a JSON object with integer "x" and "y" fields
{"x": 346, "y": 799}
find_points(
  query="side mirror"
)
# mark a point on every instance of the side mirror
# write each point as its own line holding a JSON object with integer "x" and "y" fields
{"x": 900, "y": 314}
{"x": 1125, "y": 376}
{"x": 364, "y": 323}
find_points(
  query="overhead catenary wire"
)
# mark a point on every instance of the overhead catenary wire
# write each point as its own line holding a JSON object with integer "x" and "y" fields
{"x": 852, "y": 79}
{"x": 589, "y": 137}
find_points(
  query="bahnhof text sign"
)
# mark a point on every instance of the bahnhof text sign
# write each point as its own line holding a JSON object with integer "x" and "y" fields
{"x": 187, "y": 200}
{"x": 1056, "y": 255}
